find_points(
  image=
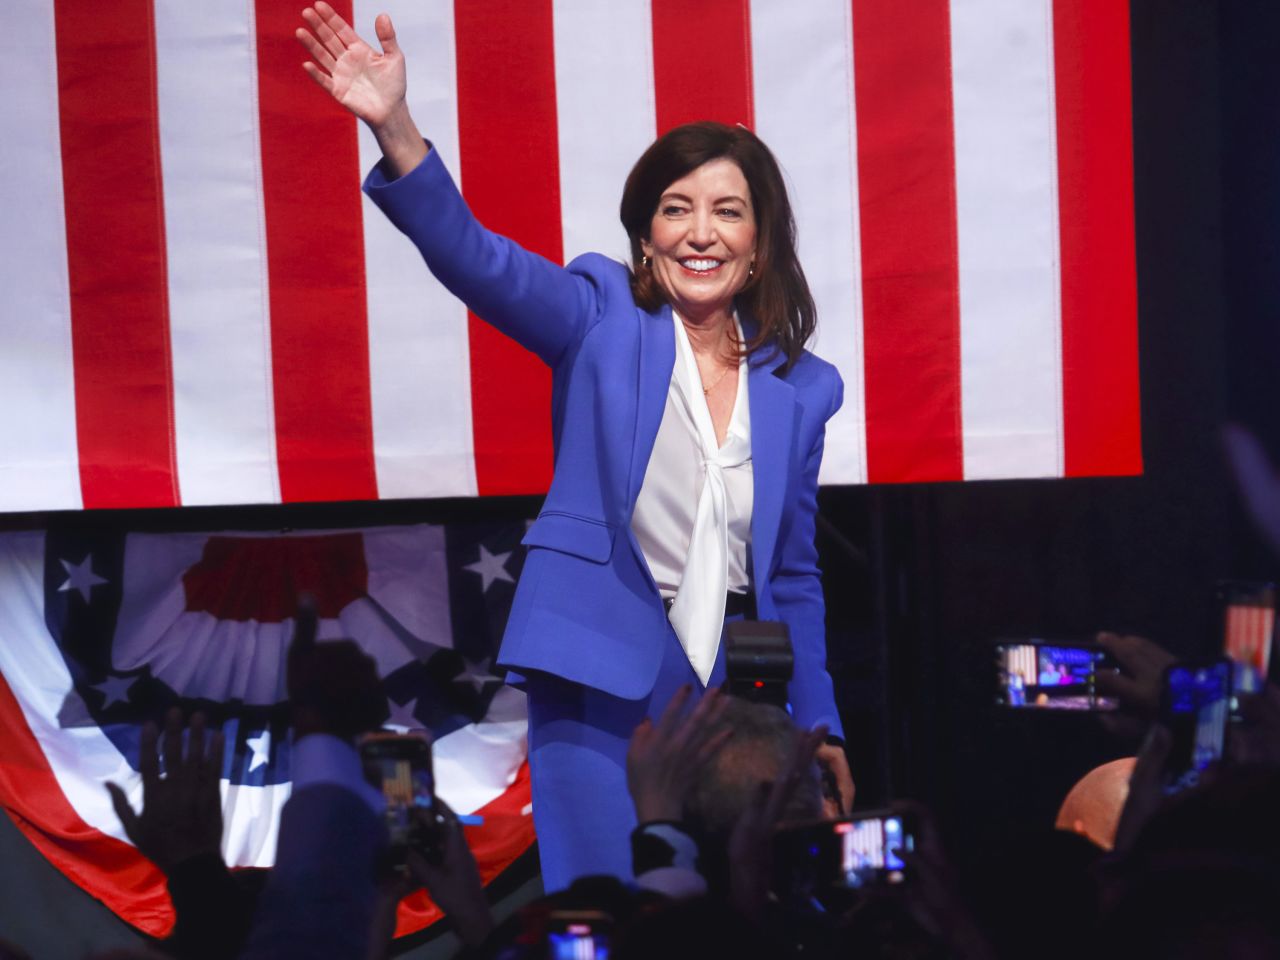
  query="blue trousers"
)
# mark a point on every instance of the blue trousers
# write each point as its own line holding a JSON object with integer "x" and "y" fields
{"x": 578, "y": 740}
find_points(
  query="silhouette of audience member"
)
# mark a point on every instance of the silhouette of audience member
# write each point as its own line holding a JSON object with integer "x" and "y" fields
{"x": 323, "y": 891}
{"x": 179, "y": 829}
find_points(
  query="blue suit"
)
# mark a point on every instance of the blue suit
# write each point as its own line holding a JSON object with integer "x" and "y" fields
{"x": 587, "y": 613}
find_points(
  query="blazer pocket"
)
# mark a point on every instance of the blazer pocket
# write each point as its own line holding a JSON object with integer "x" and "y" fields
{"x": 568, "y": 533}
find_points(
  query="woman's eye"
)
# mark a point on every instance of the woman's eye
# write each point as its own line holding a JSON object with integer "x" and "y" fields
{"x": 672, "y": 210}
{"x": 731, "y": 213}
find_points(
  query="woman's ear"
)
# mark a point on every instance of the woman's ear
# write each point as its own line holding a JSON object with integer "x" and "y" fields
{"x": 646, "y": 247}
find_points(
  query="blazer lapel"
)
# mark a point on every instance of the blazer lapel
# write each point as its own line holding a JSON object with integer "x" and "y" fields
{"x": 772, "y": 404}
{"x": 657, "y": 359}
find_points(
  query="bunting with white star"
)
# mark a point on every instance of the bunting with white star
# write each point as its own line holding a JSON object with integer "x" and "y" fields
{"x": 101, "y": 632}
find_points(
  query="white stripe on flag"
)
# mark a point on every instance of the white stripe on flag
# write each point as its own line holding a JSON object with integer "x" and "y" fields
{"x": 475, "y": 764}
{"x": 218, "y": 314}
{"x": 419, "y": 353}
{"x": 1007, "y": 224}
{"x": 605, "y": 107}
{"x": 250, "y": 821}
{"x": 38, "y": 467}
{"x": 804, "y": 107}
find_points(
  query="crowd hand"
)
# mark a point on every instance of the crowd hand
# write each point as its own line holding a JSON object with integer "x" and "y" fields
{"x": 369, "y": 84}
{"x": 932, "y": 889}
{"x": 663, "y": 759}
{"x": 751, "y": 842}
{"x": 1146, "y": 787}
{"x": 182, "y": 811}
{"x": 1256, "y": 739}
{"x": 447, "y": 869}
{"x": 831, "y": 757}
{"x": 333, "y": 686}
{"x": 1140, "y": 681}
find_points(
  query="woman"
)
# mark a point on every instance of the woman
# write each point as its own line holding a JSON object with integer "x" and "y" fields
{"x": 688, "y": 424}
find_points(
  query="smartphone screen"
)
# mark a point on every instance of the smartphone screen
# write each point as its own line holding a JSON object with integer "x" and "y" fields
{"x": 578, "y": 935}
{"x": 851, "y": 854}
{"x": 869, "y": 851}
{"x": 400, "y": 766}
{"x": 1195, "y": 710}
{"x": 1038, "y": 675}
{"x": 1248, "y": 629}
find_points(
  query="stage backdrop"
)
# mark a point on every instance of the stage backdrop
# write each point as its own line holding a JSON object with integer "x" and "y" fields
{"x": 200, "y": 308}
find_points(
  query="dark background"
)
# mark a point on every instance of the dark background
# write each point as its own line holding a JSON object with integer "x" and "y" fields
{"x": 920, "y": 579}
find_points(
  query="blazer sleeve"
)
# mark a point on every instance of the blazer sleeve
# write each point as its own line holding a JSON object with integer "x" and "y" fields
{"x": 796, "y": 587}
{"x": 541, "y": 305}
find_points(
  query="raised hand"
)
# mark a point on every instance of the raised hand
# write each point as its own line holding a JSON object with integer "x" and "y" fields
{"x": 1142, "y": 664}
{"x": 449, "y": 873}
{"x": 751, "y": 843}
{"x": 933, "y": 890}
{"x": 369, "y": 84}
{"x": 181, "y": 812}
{"x": 664, "y": 758}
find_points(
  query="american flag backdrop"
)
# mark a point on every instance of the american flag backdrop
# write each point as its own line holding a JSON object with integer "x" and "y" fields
{"x": 200, "y": 308}
{"x": 102, "y": 632}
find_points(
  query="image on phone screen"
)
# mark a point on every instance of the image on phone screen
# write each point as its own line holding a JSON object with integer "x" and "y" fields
{"x": 577, "y": 945}
{"x": 1045, "y": 676}
{"x": 399, "y": 766}
{"x": 1248, "y": 631}
{"x": 869, "y": 851}
{"x": 578, "y": 935}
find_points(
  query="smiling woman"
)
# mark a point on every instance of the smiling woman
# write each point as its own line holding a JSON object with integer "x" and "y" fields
{"x": 688, "y": 421}
{"x": 735, "y": 180}
{"x": 701, "y": 244}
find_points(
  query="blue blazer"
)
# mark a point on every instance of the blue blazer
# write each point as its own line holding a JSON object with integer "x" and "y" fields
{"x": 586, "y": 607}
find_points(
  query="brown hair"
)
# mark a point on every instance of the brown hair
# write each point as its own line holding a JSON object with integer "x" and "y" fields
{"x": 777, "y": 295}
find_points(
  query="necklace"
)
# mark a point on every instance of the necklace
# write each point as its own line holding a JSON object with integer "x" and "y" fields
{"x": 724, "y": 372}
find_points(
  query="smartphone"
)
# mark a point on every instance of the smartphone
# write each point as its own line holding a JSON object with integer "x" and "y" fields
{"x": 1044, "y": 675}
{"x": 578, "y": 935}
{"x": 853, "y": 853}
{"x": 1248, "y": 628}
{"x": 1195, "y": 710}
{"x": 400, "y": 766}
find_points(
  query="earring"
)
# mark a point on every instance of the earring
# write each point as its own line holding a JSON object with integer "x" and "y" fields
{"x": 751, "y": 271}
{"x": 645, "y": 262}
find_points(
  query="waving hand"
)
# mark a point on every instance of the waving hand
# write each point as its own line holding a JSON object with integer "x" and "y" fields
{"x": 368, "y": 83}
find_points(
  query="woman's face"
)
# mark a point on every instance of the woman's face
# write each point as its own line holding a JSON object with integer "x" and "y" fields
{"x": 702, "y": 239}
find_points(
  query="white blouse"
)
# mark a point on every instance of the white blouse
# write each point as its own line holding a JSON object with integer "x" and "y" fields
{"x": 692, "y": 517}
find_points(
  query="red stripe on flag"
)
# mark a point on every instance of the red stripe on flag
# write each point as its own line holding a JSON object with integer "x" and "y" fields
{"x": 911, "y": 298}
{"x": 116, "y": 254}
{"x": 702, "y": 62}
{"x": 261, "y": 578}
{"x": 1100, "y": 401}
{"x": 315, "y": 261}
{"x": 104, "y": 867}
{"x": 511, "y": 179}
